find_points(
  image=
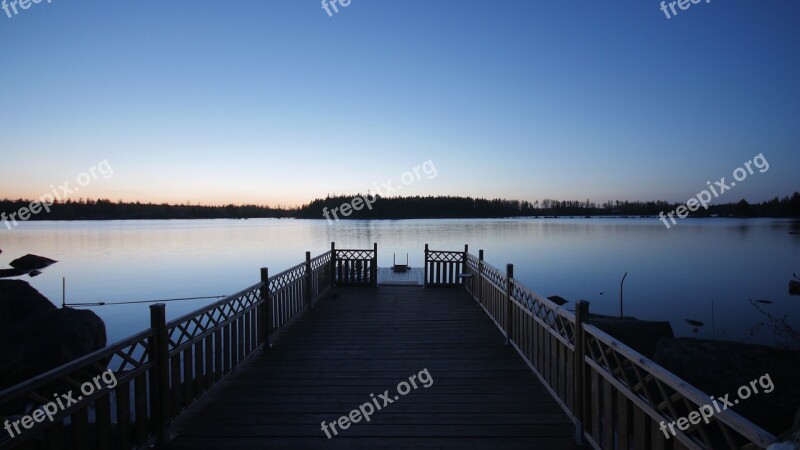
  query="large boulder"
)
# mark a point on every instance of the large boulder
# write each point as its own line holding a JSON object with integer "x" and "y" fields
{"x": 35, "y": 336}
{"x": 719, "y": 368}
{"x": 18, "y": 299}
{"x": 790, "y": 440}
{"x": 640, "y": 335}
{"x": 31, "y": 262}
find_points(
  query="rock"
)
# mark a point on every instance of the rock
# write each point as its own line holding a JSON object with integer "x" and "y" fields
{"x": 18, "y": 300}
{"x": 719, "y": 368}
{"x": 8, "y": 273}
{"x": 640, "y": 335}
{"x": 45, "y": 340}
{"x": 790, "y": 440}
{"x": 35, "y": 336}
{"x": 31, "y": 262}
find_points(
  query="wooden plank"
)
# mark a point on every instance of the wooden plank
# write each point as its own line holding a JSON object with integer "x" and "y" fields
{"x": 640, "y": 429}
{"x": 80, "y": 428}
{"x": 54, "y": 436}
{"x": 217, "y": 355}
{"x": 140, "y": 397}
{"x": 608, "y": 415}
{"x": 176, "y": 384}
{"x": 188, "y": 374}
{"x": 123, "y": 397}
{"x": 659, "y": 441}
{"x": 199, "y": 366}
{"x": 623, "y": 421}
{"x": 102, "y": 413}
{"x": 595, "y": 406}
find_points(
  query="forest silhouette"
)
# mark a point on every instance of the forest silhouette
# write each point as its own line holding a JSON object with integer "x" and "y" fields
{"x": 417, "y": 207}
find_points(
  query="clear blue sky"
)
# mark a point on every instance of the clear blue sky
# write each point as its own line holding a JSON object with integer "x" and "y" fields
{"x": 276, "y": 102}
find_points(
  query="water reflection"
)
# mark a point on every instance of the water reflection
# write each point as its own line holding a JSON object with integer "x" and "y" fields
{"x": 673, "y": 274}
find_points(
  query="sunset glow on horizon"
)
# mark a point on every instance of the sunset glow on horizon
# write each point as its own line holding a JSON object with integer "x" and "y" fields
{"x": 279, "y": 103}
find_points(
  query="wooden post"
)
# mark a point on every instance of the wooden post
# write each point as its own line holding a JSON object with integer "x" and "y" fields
{"x": 266, "y": 309}
{"x": 425, "y": 268}
{"x": 463, "y": 268}
{"x": 373, "y": 273}
{"x": 507, "y": 313}
{"x": 309, "y": 291}
{"x": 159, "y": 387}
{"x": 333, "y": 264}
{"x": 480, "y": 277}
{"x": 464, "y": 259}
{"x": 581, "y": 314}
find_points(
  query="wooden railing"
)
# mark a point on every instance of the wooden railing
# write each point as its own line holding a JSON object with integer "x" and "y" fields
{"x": 355, "y": 267}
{"x": 163, "y": 370}
{"x": 616, "y": 397}
{"x": 442, "y": 268}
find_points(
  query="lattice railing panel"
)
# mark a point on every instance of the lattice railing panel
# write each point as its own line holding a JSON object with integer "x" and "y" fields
{"x": 190, "y": 327}
{"x": 355, "y": 254}
{"x": 437, "y": 256}
{"x": 559, "y": 320}
{"x": 321, "y": 260}
{"x": 129, "y": 360}
{"x": 472, "y": 261}
{"x": 494, "y": 275}
{"x": 667, "y": 397}
{"x": 286, "y": 278}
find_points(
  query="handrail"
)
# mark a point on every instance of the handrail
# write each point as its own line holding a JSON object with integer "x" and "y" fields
{"x": 589, "y": 373}
{"x": 355, "y": 267}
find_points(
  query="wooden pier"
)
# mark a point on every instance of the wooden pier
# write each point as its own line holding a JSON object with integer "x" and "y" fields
{"x": 266, "y": 366}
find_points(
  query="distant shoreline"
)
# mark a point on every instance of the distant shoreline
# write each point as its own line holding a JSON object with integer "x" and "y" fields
{"x": 135, "y": 219}
{"x": 343, "y": 207}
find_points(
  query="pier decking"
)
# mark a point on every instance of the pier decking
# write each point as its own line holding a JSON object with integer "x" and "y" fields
{"x": 367, "y": 340}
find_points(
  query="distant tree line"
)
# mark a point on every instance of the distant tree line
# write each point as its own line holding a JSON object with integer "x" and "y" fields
{"x": 104, "y": 209}
{"x": 469, "y": 207}
{"x": 397, "y": 208}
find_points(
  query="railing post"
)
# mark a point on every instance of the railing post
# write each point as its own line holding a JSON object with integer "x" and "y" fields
{"x": 581, "y": 314}
{"x": 309, "y": 290}
{"x": 266, "y": 309}
{"x": 507, "y": 307}
{"x": 373, "y": 273}
{"x": 159, "y": 388}
{"x": 333, "y": 264}
{"x": 480, "y": 277}
{"x": 425, "y": 268}
{"x": 464, "y": 259}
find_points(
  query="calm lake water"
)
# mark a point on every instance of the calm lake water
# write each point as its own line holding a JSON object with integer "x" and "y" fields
{"x": 672, "y": 274}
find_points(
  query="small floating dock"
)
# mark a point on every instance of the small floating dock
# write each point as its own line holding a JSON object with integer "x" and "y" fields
{"x": 411, "y": 277}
